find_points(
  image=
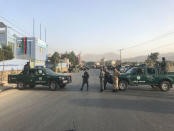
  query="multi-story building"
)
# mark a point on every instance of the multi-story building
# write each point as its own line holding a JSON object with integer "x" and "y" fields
{"x": 32, "y": 49}
{"x": 26, "y": 48}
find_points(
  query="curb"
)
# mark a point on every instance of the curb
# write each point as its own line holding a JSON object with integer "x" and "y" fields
{"x": 2, "y": 89}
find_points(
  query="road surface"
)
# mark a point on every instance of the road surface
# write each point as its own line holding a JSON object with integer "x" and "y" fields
{"x": 137, "y": 109}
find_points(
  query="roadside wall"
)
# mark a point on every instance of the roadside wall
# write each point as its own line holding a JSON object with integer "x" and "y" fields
{"x": 4, "y": 75}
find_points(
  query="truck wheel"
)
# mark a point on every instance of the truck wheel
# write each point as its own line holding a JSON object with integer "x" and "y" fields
{"x": 53, "y": 85}
{"x": 123, "y": 85}
{"x": 20, "y": 85}
{"x": 165, "y": 86}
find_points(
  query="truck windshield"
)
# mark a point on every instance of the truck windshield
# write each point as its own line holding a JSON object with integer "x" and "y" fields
{"x": 130, "y": 70}
{"x": 50, "y": 72}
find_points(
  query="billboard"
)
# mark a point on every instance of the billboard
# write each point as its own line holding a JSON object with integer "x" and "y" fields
{"x": 41, "y": 43}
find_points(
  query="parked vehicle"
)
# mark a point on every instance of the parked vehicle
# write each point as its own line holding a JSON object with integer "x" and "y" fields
{"x": 40, "y": 76}
{"x": 144, "y": 75}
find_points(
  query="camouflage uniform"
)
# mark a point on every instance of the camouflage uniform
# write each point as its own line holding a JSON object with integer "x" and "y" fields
{"x": 115, "y": 80}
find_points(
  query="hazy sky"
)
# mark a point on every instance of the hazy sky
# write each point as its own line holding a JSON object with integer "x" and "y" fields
{"x": 96, "y": 26}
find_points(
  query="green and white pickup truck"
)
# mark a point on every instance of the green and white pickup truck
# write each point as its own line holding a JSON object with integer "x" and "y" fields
{"x": 146, "y": 76}
{"x": 40, "y": 76}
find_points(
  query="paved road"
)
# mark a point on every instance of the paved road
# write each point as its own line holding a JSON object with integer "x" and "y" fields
{"x": 42, "y": 110}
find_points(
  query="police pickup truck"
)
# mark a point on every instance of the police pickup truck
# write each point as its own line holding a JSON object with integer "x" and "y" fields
{"x": 146, "y": 76}
{"x": 39, "y": 76}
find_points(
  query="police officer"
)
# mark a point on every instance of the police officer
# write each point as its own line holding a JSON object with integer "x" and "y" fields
{"x": 106, "y": 77}
{"x": 85, "y": 77}
{"x": 102, "y": 75}
{"x": 115, "y": 80}
{"x": 163, "y": 66}
{"x": 27, "y": 67}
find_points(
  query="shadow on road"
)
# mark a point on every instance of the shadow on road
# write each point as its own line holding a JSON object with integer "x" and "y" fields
{"x": 126, "y": 104}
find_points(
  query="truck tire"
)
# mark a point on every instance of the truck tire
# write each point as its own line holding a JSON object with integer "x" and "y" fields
{"x": 53, "y": 85}
{"x": 165, "y": 86}
{"x": 123, "y": 85}
{"x": 20, "y": 85}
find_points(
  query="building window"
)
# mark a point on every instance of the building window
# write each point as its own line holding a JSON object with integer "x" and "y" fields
{"x": 19, "y": 45}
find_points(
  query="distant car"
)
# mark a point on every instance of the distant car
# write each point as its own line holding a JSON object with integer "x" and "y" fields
{"x": 40, "y": 76}
{"x": 84, "y": 67}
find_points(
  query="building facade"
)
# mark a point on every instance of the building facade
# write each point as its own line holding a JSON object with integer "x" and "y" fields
{"x": 32, "y": 49}
{"x": 3, "y": 34}
{"x": 63, "y": 65}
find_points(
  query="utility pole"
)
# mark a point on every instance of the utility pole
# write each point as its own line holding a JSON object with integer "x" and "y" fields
{"x": 33, "y": 27}
{"x": 40, "y": 31}
{"x": 120, "y": 56}
{"x": 45, "y": 35}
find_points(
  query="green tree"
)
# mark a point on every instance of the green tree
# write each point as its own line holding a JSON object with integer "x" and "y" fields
{"x": 71, "y": 56}
{"x": 152, "y": 58}
{"x": 90, "y": 63}
{"x": 55, "y": 60}
{"x": 6, "y": 53}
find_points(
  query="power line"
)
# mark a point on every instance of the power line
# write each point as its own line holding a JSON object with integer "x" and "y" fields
{"x": 162, "y": 46}
{"x": 16, "y": 31}
{"x": 52, "y": 49}
{"x": 14, "y": 25}
{"x": 148, "y": 42}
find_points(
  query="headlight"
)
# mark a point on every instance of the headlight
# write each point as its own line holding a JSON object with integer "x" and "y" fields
{"x": 62, "y": 78}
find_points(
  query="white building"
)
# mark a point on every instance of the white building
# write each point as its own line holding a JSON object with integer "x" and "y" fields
{"x": 31, "y": 48}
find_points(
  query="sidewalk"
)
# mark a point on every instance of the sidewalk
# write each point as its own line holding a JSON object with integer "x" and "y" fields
{"x": 5, "y": 86}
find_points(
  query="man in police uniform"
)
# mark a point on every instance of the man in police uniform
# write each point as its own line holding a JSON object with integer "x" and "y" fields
{"x": 85, "y": 77}
{"x": 115, "y": 80}
{"x": 106, "y": 77}
{"x": 102, "y": 75}
{"x": 27, "y": 67}
{"x": 163, "y": 66}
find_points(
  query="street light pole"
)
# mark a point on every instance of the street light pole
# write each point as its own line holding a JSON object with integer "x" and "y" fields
{"x": 120, "y": 56}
